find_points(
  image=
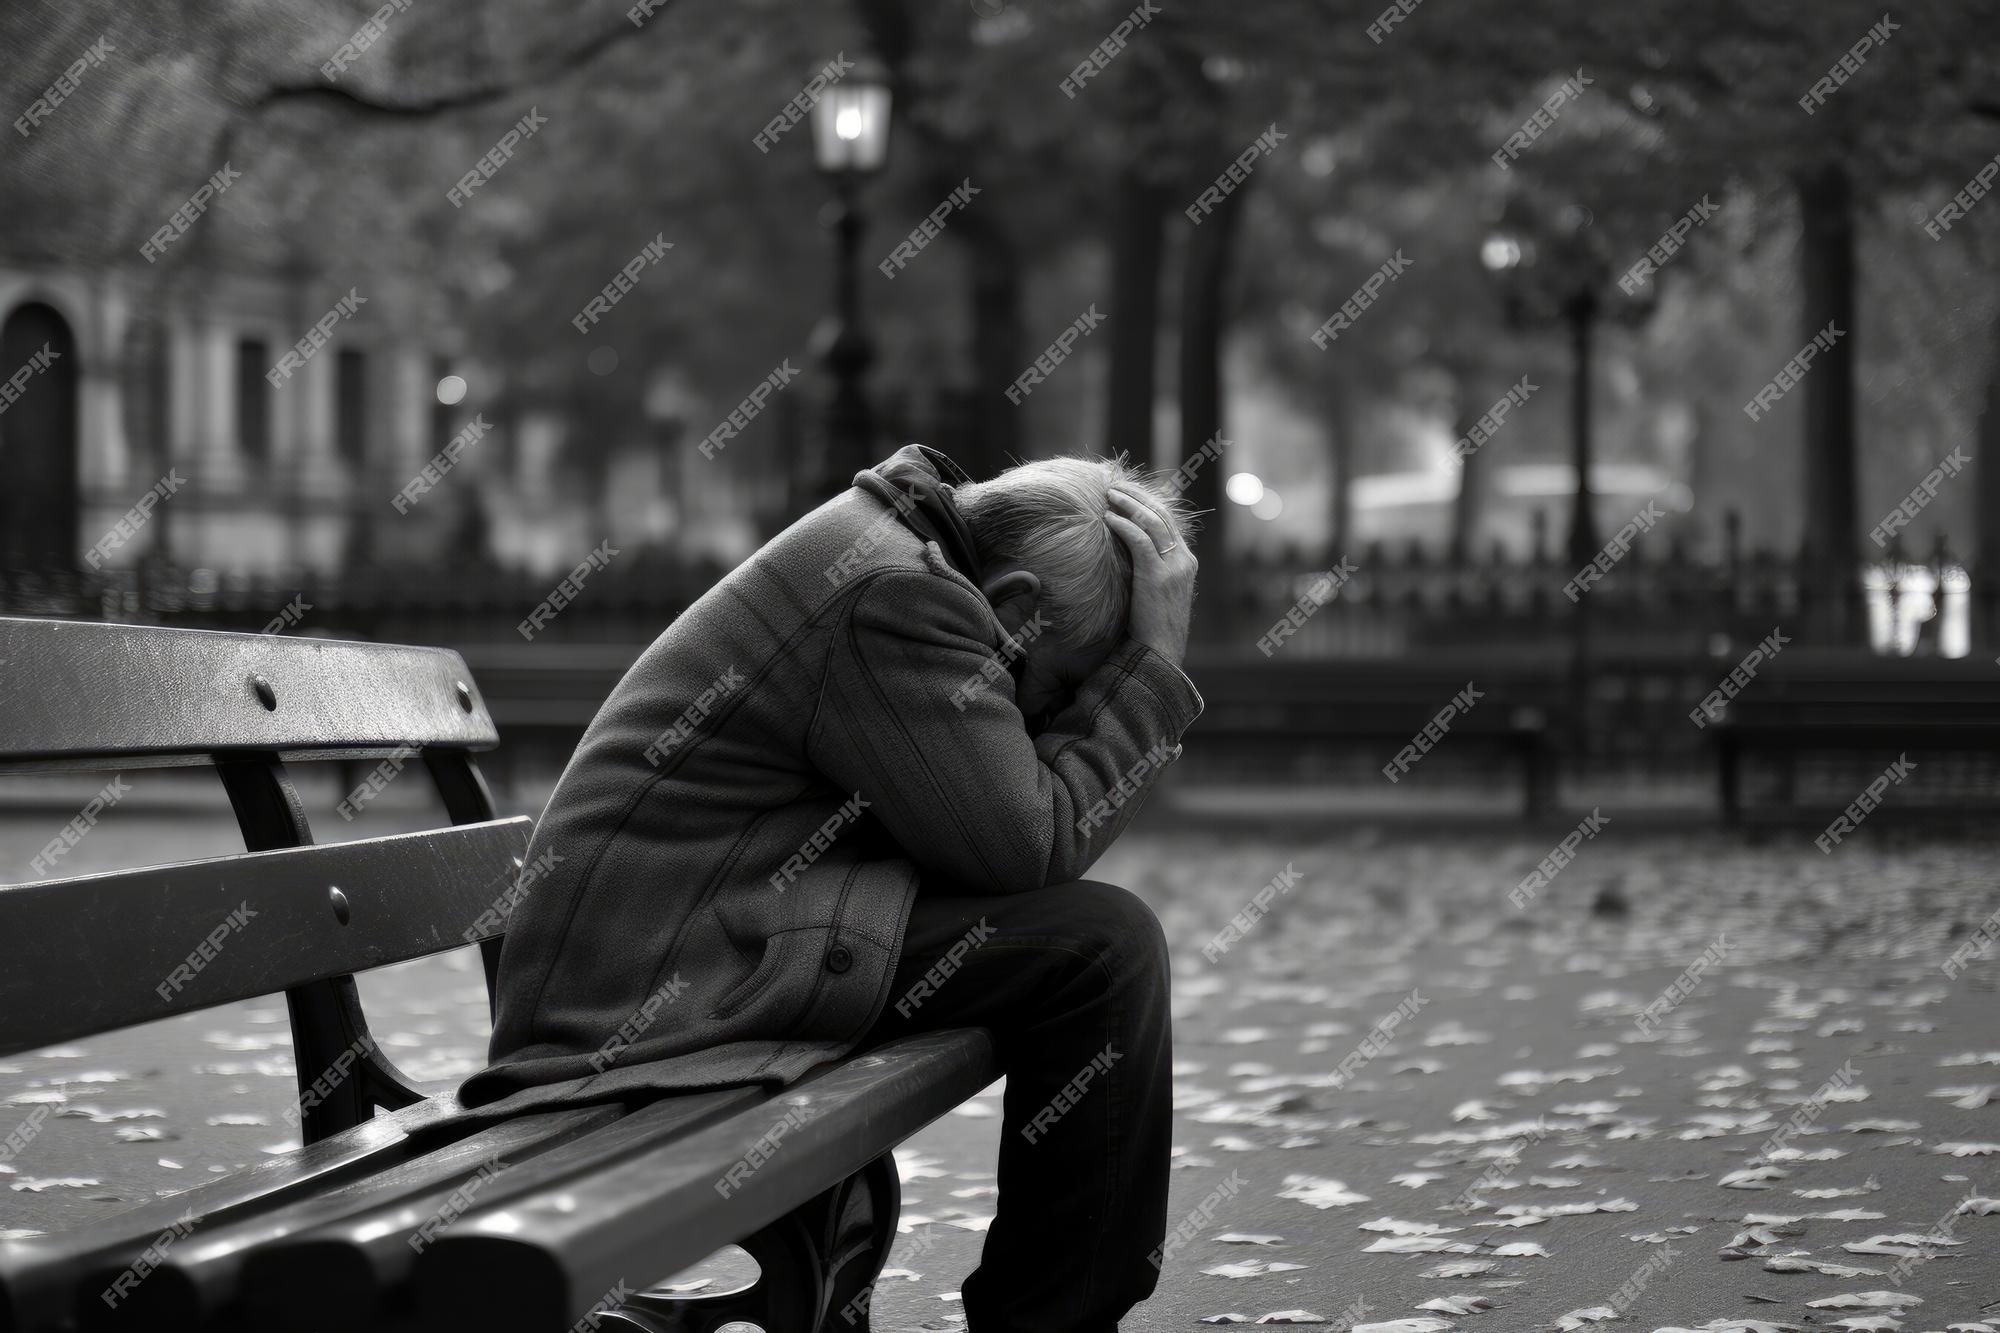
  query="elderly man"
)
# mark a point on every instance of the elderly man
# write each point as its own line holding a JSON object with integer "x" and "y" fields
{"x": 898, "y": 734}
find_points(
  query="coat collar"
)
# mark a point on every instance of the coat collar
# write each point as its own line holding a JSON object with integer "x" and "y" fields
{"x": 917, "y": 482}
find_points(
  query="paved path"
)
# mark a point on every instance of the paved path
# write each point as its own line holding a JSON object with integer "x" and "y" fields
{"x": 1523, "y": 1066}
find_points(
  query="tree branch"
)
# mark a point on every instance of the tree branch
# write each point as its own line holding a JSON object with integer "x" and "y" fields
{"x": 479, "y": 93}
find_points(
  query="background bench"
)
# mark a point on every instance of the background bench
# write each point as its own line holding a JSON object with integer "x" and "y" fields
{"x": 1262, "y": 718}
{"x": 525, "y": 1224}
{"x": 1803, "y": 702}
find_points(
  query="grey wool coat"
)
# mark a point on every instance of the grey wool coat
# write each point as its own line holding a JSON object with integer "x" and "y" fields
{"x": 728, "y": 861}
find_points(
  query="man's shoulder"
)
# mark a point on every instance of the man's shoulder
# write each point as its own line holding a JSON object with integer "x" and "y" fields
{"x": 834, "y": 553}
{"x": 864, "y": 536}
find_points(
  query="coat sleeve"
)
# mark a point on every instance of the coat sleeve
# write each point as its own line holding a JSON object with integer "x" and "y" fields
{"x": 919, "y": 718}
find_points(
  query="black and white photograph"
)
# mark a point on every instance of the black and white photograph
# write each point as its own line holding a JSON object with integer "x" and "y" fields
{"x": 999, "y": 666}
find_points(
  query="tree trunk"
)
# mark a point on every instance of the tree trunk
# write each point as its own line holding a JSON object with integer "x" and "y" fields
{"x": 1984, "y": 549}
{"x": 1201, "y": 331}
{"x": 1345, "y": 417}
{"x": 1135, "y": 242}
{"x": 1826, "y": 264}
{"x": 1469, "y": 505}
{"x": 994, "y": 434}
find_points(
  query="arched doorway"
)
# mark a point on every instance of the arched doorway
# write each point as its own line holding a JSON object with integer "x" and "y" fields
{"x": 38, "y": 446}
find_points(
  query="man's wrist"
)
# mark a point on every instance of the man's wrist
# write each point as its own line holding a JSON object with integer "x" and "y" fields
{"x": 1163, "y": 678}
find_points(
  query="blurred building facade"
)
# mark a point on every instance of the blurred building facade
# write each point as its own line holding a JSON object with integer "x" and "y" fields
{"x": 267, "y": 447}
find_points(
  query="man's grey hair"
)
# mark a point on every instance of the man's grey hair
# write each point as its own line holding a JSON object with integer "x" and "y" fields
{"x": 1047, "y": 517}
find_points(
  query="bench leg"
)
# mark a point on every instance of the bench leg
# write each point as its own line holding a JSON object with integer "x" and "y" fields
{"x": 864, "y": 1227}
{"x": 817, "y": 1267}
{"x": 1729, "y": 771}
{"x": 1538, "y": 777}
{"x": 786, "y": 1298}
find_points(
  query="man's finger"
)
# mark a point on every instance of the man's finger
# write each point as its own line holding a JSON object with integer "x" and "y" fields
{"x": 1143, "y": 514}
{"x": 1142, "y": 497}
{"x": 1134, "y": 536}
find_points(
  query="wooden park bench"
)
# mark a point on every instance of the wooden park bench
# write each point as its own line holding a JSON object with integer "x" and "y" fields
{"x": 1266, "y": 713}
{"x": 527, "y": 1224}
{"x": 1820, "y": 700}
{"x": 544, "y": 695}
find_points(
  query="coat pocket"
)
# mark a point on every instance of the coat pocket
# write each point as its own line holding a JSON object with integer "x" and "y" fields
{"x": 778, "y": 950}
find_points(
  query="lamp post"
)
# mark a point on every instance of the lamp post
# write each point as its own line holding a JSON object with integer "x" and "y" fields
{"x": 1554, "y": 271}
{"x": 850, "y": 140}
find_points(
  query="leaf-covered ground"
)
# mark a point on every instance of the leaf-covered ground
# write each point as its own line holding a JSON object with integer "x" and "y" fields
{"x": 1699, "y": 1081}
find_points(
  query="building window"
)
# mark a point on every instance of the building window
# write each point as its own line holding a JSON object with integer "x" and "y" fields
{"x": 351, "y": 405}
{"x": 253, "y": 399}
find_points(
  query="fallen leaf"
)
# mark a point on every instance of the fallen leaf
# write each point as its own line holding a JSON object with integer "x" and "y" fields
{"x": 1458, "y": 1304}
{"x": 1820, "y": 1266}
{"x": 1460, "y": 1268}
{"x": 1317, "y": 1192}
{"x": 1903, "y": 1245}
{"x": 1803, "y": 1154}
{"x": 1250, "y": 1268}
{"x": 1419, "y": 1245}
{"x": 1567, "y": 1209}
{"x": 1866, "y": 1300}
{"x": 1752, "y": 1178}
{"x": 1396, "y": 1227}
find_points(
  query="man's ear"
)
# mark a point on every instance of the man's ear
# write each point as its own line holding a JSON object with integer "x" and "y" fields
{"x": 1013, "y": 595}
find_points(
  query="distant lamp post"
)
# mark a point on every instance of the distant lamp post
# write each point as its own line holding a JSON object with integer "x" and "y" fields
{"x": 850, "y": 140}
{"x": 1554, "y": 270}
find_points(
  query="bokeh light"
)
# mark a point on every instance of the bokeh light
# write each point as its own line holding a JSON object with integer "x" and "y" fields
{"x": 1244, "y": 488}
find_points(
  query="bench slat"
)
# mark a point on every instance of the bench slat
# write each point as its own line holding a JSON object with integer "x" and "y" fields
{"x": 198, "y": 1277}
{"x": 73, "y": 693}
{"x": 357, "y": 1254}
{"x": 39, "y": 1276}
{"x": 644, "y": 1217}
{"x": 98, "y": 952}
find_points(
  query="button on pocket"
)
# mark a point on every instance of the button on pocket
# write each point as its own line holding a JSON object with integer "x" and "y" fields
{"x": 838, "y": 959}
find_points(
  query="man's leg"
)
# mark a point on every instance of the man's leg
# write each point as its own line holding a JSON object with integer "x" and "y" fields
{"x": 1072, "y": 981}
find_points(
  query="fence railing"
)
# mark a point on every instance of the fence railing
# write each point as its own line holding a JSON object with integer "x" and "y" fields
{"x": 1392, "y": 603}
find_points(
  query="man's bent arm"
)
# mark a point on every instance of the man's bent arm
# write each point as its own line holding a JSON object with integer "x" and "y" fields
{"x": 968, "y": 793}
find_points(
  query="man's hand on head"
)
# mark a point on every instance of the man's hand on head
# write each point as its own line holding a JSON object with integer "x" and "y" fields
{"x": 1163, "y": 573}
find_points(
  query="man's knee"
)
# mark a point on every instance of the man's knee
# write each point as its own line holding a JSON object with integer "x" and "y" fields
{"x": 1116, "y": 926}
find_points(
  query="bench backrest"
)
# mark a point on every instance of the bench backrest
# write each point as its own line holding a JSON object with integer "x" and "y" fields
{"x": 92, "y": 953}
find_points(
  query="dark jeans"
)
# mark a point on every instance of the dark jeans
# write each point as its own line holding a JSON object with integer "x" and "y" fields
{"x": 1072, "y": 982}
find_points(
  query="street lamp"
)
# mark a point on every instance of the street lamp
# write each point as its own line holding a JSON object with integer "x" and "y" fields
{"x": 850, "y": 140}
{"x": 1556, "y": 271}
